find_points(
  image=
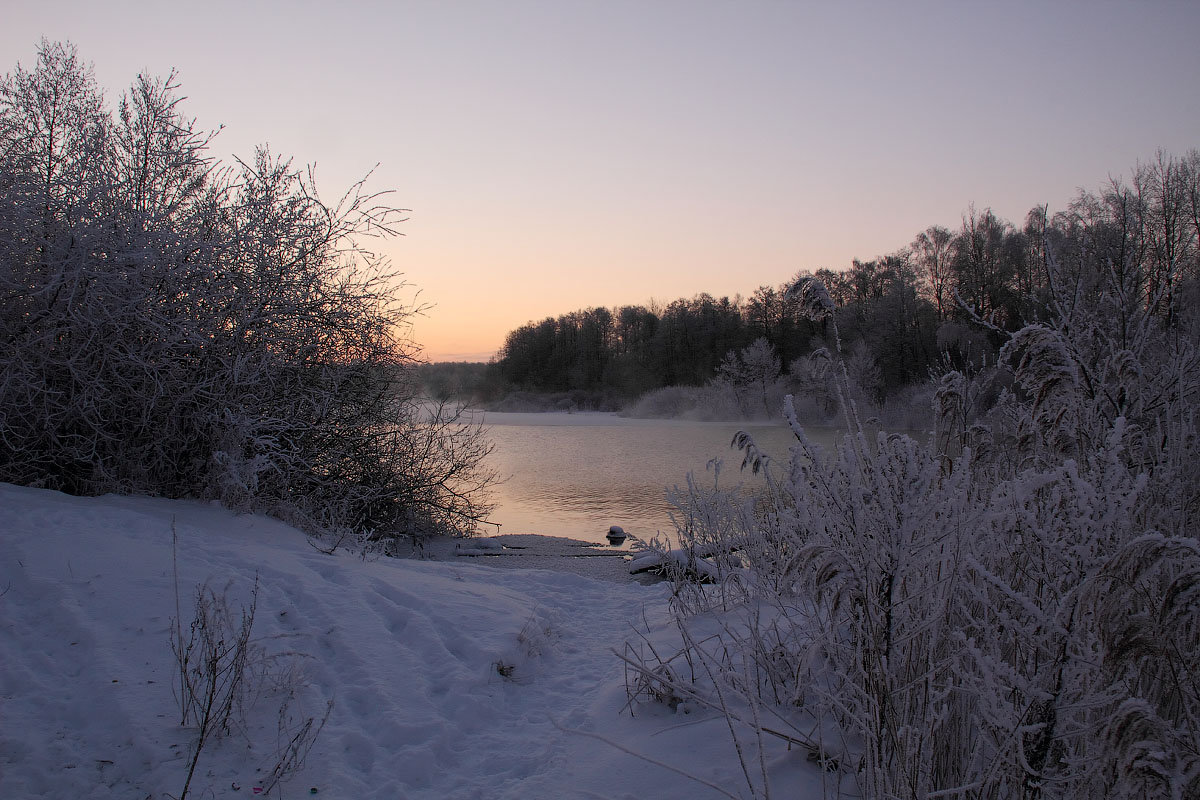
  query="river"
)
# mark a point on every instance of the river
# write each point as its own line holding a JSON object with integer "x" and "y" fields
{"x": 575, "y": 475}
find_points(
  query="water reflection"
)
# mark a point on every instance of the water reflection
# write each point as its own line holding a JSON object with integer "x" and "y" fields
{"x": 577, "y": 474}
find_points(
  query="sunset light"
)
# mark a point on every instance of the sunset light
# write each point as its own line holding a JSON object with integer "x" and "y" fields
{"x": 622, "y": 399}
{"x": 562, "y": 155}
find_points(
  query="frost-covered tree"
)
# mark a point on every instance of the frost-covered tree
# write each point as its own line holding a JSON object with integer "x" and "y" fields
{"x": 174, "y": 326}
{"x": 755, "y": 368}
{"x": 55, "y": 131}
{"x": 932, "y": 250}
{"x": 983, "y": 267}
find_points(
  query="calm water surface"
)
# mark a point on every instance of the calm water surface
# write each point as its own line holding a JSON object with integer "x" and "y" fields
{"x": 576, "y": 474}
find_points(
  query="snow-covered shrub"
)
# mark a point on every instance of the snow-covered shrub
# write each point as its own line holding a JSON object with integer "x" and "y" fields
{"x": 909, "y": 409}
{"x": 712, "y": 533}
{"x": 747, "y": 386}
{"x": 812, "y": 387}
{"x": 1148, "y": 619}
{"x": 876, "y": 542}
{"x": 212, "y": 659}
{"x": 176, "y": 327}
{"x": 753, "y": 375}
{"x": 1006, "y": 611}
{"x": 700, "y": 403}
{"x": 222, "y": 672}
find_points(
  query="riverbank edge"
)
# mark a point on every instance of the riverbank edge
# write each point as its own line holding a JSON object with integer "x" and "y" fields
{"x": 531, "y": 551}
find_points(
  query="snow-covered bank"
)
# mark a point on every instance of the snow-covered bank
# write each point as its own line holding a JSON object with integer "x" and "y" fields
{"x": 449, "y": 679}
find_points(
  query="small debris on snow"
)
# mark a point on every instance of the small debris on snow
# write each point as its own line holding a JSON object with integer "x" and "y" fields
{"x": 479, "y": 547}
{"x": 691, "y": 565}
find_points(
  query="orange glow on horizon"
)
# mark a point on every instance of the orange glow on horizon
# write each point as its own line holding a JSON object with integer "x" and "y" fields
{"x": 729, "y": 146}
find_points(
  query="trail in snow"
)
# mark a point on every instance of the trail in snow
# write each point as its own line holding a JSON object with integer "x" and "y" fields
{"x": 449, "y": 679}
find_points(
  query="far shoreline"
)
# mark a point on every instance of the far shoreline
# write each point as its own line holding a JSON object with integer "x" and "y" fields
{"x": 602, "y": 418}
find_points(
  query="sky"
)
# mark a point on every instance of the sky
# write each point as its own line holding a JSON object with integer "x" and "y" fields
{"x": 563, "y": 154}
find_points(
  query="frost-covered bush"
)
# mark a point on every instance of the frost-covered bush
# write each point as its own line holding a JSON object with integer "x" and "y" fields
{"x": 909, "y": 409}
{"x": 1008, "y": 610}
{"x": 178, "y": 327}
{"x": 753, "y": 375}
{"x": 748, "y": 385}
{"x": 700, "y": 403}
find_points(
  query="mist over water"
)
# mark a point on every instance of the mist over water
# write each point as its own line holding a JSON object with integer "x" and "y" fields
{"x": 575, "y": 475}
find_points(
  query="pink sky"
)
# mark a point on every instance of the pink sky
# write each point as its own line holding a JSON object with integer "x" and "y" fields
{"x": 564, "y": 154}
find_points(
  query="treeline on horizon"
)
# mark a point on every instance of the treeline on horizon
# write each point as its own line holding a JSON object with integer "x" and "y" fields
{"x": 944, "y": 300}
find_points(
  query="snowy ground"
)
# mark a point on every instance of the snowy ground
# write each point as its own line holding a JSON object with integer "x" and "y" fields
{"x": 411, "y": 652}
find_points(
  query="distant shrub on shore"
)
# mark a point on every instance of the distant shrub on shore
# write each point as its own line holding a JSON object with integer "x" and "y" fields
{"x": 538, "y": 402}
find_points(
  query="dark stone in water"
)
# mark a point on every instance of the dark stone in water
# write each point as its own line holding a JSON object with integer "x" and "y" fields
{"x": 615, "y": 535}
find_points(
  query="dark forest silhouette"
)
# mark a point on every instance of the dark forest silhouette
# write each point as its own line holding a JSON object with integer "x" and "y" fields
{"x": 943, "y": 301}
